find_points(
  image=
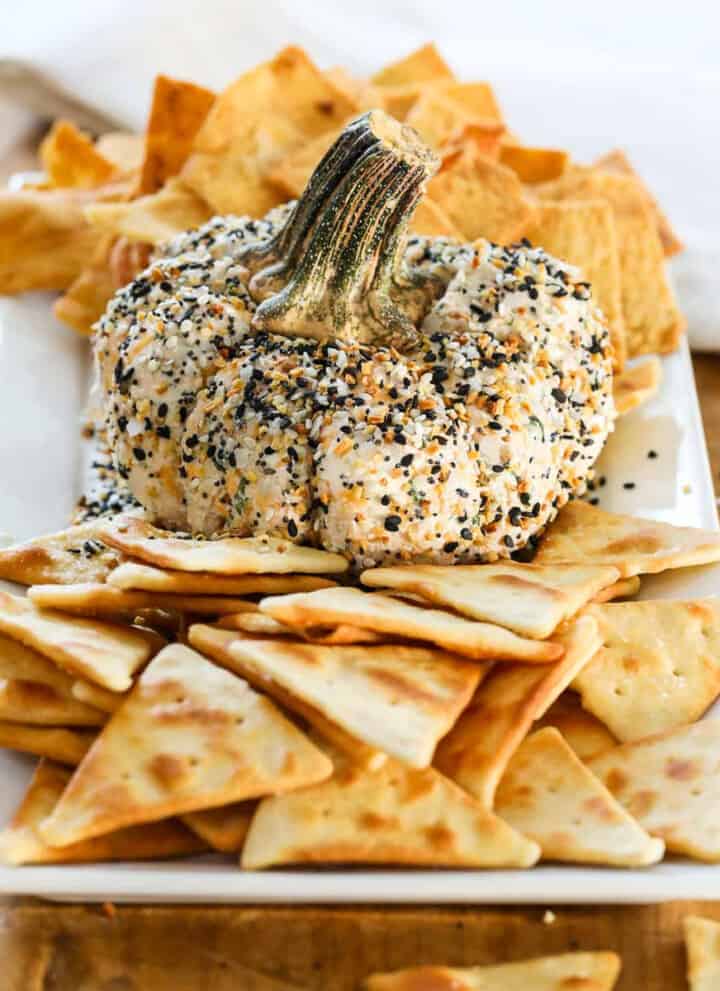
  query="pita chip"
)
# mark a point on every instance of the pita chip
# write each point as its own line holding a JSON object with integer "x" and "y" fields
{"x": 226, "y": 556}
{"x": 702, "y": 942}
{"x": 119, "y": 604}
{"x": 477, "y": 99}
{"x": 535, "y": 164}
{"x": 151, "y": 219}
{"x": 583, "y": 233}
{"x": 189, "y": 736}
{"x": 424, "y": 65}
{"x": 67, "y": 746}
{"x": 38, "y": 704}
{"x": 397, "y": 699}
{"x": 482, "y": 198}
{"x": 584, "y": 534}
{"x": 18, "y": 662}
{"x": 477, "y": 750}
{"x": 658, "y": 666}
{"x": 100, "y": 698}
{"x": 122, "y": 148}
{"x": 21, "y": 842}
{"x": 224, "y": 828}
{"x": 532, "y": 601}
{"x": 394, "y": 815}
{"x": 580, "y": 729}
{"x": 549, "y": 796}
{"x": 581, "y": 971}
{"x": 670, "y": 783}
{"x": 132, "y": 575}
{"x": 430, "y": 220}
{"x": 437, "y": 119}
{"x": 72, "y": 555}
{"x": 624, "y": 588}
{"x": 102, "y": 653}
{"x": 636, "y": 385}
{"x": 292, "y": 172}
{"x": 85, "y": 299}
{"x": 386, "y": 614}
{"x": 70, "y": 158}
{"x": 261, "y": 625}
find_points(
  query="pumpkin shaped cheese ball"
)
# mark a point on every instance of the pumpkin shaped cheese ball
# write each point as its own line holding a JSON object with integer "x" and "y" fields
{"x": 322, "y": 376}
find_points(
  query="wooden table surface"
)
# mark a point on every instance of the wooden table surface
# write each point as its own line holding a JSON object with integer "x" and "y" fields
{"x": 46, "y": 947}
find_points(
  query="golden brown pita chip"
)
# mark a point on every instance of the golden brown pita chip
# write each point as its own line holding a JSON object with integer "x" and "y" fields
{"x": 268, "y": 111}
{"x": 99, "y": 652}
{"x": 432, "y": 221}
{"x": 658, "y": 667}
{"x": 228, "y": 556}
{"x": 548, "y": 795}
{"x": 436, "y": 118}
{"x": 18, "y": 662}
{"x": 21, "y": 843}
{"x": 653, "y": 322}
{"x": 131, "y": 575}
{"x": 385, "y": 614}
{"x": 584, "y": 534}
{"x": 477, "y": 750}
{"x": 579, "y": 971}
{"x": 671, "y": 785}
{"x": 528, "y": 599}
{"x": 70, "y": 158}
{"x": 399, "y": 100}
{"x": 38, "y": 704}
{"x": 86, "y": 297}
{"x": 123, "y": 605}
{"x": 535, "y": 164}
{"x": 154, "y": 218}
{"x": 481, "y": 136}
{"x": 395, "y": 815}
{"x": 617, "y": 161}
{"x": 625, "y": 588}
{"x": 583, "y": 233}
{"x": 292, "y": 172}
{"x": 424, "y": 65}
{"x": 260, "y": 625}
{"x": 364, "y": 94}
{"x": 477, "y": 99}
{"x": 482, "y": 198}
{"x": 225, "y": 828}
{"x": 100, "y": 698}
{"x": 72, "y": 555}
{"x": 123, "y": 149}
{"x": 190, "y": 736}
{"x": 68, "y": 746}
{"x": 580, "y": 729}
{"x": 637, "y": 385}
{"x": 702, "y": 942}
{"x": 177, "y": 113}
{"x": 397, "y": 699}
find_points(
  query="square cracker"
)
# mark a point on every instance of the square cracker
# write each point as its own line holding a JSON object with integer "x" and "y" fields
{"x": 584, "y": 534}
{"x": 532, "y": 601}
{"x": 658, "y": 666}
{"x": 583, "y": 233}
{"x": 385, "y": 614}
{"x": 72, "y": 555}
{"x": 671, "y": 785}
{"x": 189, "y": 736}
{"x": 636, "y": 385}
{"x": 21, "y": 843}
{"x": 592, "y": 971}
{"x": 226, "y": 556}
{"x": 702, "y": 942}
{"x": 394, "y": 815}
{"x": 68, "y": 746}
{"x": 133, "y": 575}
{"x": 397, "y": 699}
{"x": 477, "y": 750}
{"x": 550, "y": 796}
{"x": 99, "y": 652}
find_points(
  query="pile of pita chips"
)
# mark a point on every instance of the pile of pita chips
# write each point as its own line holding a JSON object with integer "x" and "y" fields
{"x": 702, "y": 942}
{"x": 596, "y": 971}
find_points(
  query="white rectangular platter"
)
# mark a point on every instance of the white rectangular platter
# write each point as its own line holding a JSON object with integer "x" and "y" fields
{"x": 44, "y": 382}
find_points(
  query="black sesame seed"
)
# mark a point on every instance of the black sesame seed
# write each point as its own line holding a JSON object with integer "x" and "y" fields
{"x": 466, "y": 533}
{"x": 652, "y": 454}
{"x": 292, "y": 528}
{"x": 628, "y": 485}
{"x": 450, "y": 546}
{"x": 139, "y": 453}
{"x": 392, "y": 523}
{"x": 406, "y": 460}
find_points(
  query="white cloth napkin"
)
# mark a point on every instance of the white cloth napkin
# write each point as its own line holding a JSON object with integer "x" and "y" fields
{"x": 585, "y": 76}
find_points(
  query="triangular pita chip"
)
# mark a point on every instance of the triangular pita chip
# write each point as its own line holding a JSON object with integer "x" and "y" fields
{"x": 261, "y": 625}
{"x": 68, "y": 746}
{"x": 671, "y": 784}
{"x": 122, "y": 148}
{"x": 85, "y": 299}
{"x": 224, "y": 828}
{"x": 21, "y": 843}
{"x": 580, "y": 729}
{"x": 18, "y": 662}
{"x": 550, "y": 796}
{"x": 424, "y": 65}
{"x": 99, "y": 652}
{"x": 73, "y": 555}
{"x": 385, "y": 614}
{"x": 476, "y": 751}
{"x": 578, "y": 971}
{"x": 154, "y": 218}
{"x": 119, "y": 604}
{"x": 530, "y": 600}
{"x": 38, "y": 704}
{"x": 624, "y": 588}
{"x": 101, "y": 698}
{"x": 69, "y": 158}
{"x": 437, "y": 119}
{"x": 395, "y": 815}
{"x": 702, "y": 942}
{"x": 292, "y": 172}
{"x": 584, "y": 534}
{"x": 536, "y": 165}
{"x": 432, "y": 221}
{"x": 132, "y": 575}
{"x": 190, "y": 736}
{"x": 477, "y": 98}
{"x": 227, "y": 556}
{"x": 398, "y": 699}
{"x": 658, "y": 666}
{"x": 636, "y": 385}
